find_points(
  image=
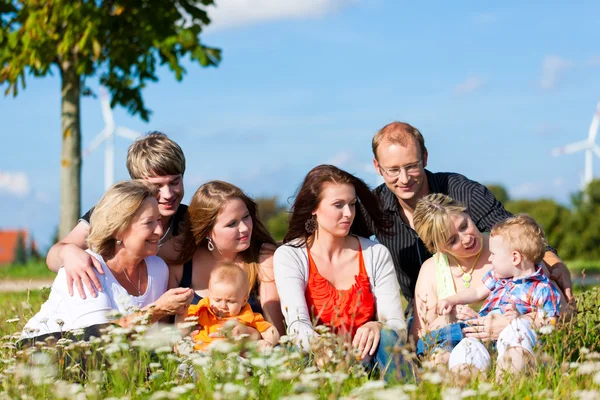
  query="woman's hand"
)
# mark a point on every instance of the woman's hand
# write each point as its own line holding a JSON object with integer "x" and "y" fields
{"x": 173, "y": 301}
{"x": 486, "y": 328}
{"x": 79, "y": 267}
{"x": 367, "y": 338}
{"x": 465, "y": 312}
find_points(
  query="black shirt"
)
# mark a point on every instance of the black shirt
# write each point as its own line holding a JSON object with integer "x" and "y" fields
{"x": 407, "y": 249}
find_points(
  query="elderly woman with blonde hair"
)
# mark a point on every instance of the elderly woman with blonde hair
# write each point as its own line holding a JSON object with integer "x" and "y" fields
{"x": 124, "y": 233}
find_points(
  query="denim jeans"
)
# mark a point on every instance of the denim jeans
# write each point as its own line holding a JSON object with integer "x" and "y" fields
{"x": 388, "y": 358}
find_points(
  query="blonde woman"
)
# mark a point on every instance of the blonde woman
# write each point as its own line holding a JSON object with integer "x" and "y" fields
{"x": 460, "y": 260}
{"x": 125, "y": 230}
{"x": 223, "y": 226}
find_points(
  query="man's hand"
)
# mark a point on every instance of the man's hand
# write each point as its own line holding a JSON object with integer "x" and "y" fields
{"x": 367, "y": 338}
{"x": 79, "y": 268}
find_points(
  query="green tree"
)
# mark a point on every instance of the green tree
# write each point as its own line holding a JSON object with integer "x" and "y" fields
{"x": 20, "y": 250}
{"x": 499, "y": 192}
{"x": 119, "y": 41}
{"x": 583, "y": 229}
{"x": 278, "y": 225}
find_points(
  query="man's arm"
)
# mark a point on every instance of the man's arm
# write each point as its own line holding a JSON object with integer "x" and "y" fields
{"x": 561, "y": 275}
{"x": 79, "y": 265}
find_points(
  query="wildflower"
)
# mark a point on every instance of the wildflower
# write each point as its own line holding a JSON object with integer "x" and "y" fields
{"x": 468, "y": 393}
{"x": 394, "y": 393}
{"x": 584, "y": 350}
{"x": 409, "y": 387}
{"x": 587, "y": 394}
{"x": 259, "y": 363}
{"x": 588, "y": 368}
{"x": 452, "y": 394}
{"x": 220, "y": 346}
{"x": 433, "y": 377}
{"x": 287, "y": 375}
{"x": 484, "y": 387}
{"x": 597, "y": 378}
{"x": 547, "y": 329}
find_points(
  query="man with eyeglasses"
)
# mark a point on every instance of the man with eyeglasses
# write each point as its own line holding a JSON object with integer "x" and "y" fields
{"x": 400, "y": 157}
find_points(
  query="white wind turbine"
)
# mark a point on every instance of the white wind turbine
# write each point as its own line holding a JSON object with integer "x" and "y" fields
{"x": 108, "y": 135}
{"x": 589, "y": 145}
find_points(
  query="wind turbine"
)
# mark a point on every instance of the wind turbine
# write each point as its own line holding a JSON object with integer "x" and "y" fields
{"x": 108, "y": 135}
{"x": 589, "y": 145}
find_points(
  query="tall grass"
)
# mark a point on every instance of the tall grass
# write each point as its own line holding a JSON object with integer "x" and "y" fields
{"x": 139, "y": 363}
{"x": 31, "y": 270}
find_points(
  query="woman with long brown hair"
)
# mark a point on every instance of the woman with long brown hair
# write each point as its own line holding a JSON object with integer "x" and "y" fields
{"x": 327, "y": 272}
{"x": 223, "y": 225}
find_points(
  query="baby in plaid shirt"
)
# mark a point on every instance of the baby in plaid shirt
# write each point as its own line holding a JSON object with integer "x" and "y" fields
{"x": 516, "y": 282}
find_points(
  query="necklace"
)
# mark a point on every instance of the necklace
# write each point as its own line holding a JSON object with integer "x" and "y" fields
{"x": 466, "y": 276}
{"x": 129, "y": 280}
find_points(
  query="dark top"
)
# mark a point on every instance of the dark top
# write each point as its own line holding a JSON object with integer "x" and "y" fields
{"x": 407, "y": 249}
{"x": 174, "y": 226}
{"x": 186, "y": 281}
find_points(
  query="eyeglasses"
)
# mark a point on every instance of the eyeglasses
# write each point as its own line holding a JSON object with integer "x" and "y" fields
{"x": 410, "y": 169}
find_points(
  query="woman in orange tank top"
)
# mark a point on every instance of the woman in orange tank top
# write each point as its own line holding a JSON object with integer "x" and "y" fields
{"x": 326, "y": 272}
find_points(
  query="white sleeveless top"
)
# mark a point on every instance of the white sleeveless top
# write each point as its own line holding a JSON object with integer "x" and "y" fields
{"x": 75, "y": 312}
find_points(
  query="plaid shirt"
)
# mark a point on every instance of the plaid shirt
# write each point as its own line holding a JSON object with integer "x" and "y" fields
{"x": 528, "y": 294}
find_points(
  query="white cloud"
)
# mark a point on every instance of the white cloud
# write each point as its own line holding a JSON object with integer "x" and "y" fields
{"x": 234, "y": 13}
{"x": 340, "y": 158}
{"x": 552, "y": 67}
{"x": 470, "y": 85}
{"x": 14, "y": 183}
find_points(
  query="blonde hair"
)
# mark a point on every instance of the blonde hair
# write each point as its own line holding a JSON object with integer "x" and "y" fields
{"x": 155, "y": 155}
{"x": 114, "y": 213}
{"x": 524, "y": 235}
{"x": 204, "y": 208}
{"x": 229, "y": 272}
{"x": 432, "y": 219}
{"x": 398, "y": 133}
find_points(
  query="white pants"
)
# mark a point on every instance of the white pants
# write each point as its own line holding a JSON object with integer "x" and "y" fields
{"x": 471, "y": 351}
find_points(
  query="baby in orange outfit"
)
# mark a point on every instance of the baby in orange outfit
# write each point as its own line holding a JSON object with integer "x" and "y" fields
{"x": 228, "y": 299}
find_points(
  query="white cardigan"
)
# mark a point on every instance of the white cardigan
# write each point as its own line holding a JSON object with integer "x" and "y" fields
{"x": 291, "y": 277}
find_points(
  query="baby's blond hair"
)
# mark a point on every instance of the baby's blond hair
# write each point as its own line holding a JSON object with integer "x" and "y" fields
{"x": 229, "y": 272}
{"x": 524, "y": 235}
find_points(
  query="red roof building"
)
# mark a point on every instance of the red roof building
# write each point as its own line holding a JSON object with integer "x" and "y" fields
{"x": 8, "y": 244}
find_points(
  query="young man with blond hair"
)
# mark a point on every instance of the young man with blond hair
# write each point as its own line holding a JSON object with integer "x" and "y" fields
{"x": 515, "y": 282}
{"x": 400, "y": 157}
{"x": 158, "y": 160}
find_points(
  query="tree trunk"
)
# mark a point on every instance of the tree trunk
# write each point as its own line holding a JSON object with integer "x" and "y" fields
{"x": 70, "y": 163}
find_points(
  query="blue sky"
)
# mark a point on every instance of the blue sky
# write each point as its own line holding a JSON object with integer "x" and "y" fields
{"x": 493, "y": 87}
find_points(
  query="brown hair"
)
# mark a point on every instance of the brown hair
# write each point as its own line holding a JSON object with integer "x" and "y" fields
{"x": 114, "y": 213}
{"x": 523, "y": 235}
{"x": 206, "y": 204}
{"x": 309, "y": 195}
{"x": 398, "y": 133}
{"x": 155, "y": 155}
{"x": 432, "y": 219}
{"x": 230, "y": 272}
